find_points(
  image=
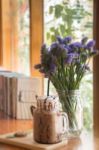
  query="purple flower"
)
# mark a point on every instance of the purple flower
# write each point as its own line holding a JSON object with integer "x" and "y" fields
{"x": 69, "y": 49}
{"x": 90, "y": 44}
{"x": 69, "y": 59}
{"x": 76, "y": 55}
{"x": 57, "y": 49}
{"x": 63, "y": 47}
{"x": 60, "y": 40}
{"x": 52, "y": 67}
{"x": 54, "y": 45}
{"x": 67, "y": 40}
{"x": 76, "y": 45}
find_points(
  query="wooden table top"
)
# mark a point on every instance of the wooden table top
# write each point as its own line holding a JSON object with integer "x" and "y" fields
{"x": 83, "y": 143}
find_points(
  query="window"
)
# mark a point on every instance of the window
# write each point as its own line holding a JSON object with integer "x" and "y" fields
{"x": 21, "y": 35}
{"x": 75, "y": 18}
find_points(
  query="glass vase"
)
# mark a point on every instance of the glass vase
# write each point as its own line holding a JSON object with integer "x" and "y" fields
{"x": 71, "y": 102}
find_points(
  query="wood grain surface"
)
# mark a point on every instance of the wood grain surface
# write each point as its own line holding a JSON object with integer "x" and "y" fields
{"x": 85, "y": 143}
{"x": 28, "y": 142}
{"x": 7, "y": 126}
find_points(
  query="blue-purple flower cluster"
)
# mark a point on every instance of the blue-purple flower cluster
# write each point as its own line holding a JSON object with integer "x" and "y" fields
{"x": 63, "y": 52}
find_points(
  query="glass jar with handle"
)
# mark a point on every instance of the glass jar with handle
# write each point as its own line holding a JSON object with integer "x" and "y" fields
{"x": 50, "y": 124}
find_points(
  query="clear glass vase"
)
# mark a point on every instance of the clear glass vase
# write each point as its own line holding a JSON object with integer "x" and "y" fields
{"x": 71, "y": 102}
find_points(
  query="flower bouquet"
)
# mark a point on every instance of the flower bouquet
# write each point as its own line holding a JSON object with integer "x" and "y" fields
{"x": 65, "y": 63}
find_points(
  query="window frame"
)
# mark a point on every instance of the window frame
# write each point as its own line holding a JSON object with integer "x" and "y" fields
{"x": 96, "y": 69}
{"x": 36, "y": 34}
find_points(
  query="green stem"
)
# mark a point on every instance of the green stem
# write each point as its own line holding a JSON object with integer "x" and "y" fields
{"x": 69, "y": 104}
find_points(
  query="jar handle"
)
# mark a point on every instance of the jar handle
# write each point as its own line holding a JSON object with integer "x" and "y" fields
{"x": 65, "y": 123}
{"x": 32, "y": 109}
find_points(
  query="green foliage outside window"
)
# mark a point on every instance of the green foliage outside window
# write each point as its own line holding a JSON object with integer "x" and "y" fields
{"x": 67, "y": 19}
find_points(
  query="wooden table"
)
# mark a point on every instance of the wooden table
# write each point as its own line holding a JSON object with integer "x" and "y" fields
{"x": 83, "y": 143}
{"x": 7, "y": 126}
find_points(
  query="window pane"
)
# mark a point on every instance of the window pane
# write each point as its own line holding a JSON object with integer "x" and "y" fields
{"x": 68, "y": 17}
{"x": 23, "y": 37}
